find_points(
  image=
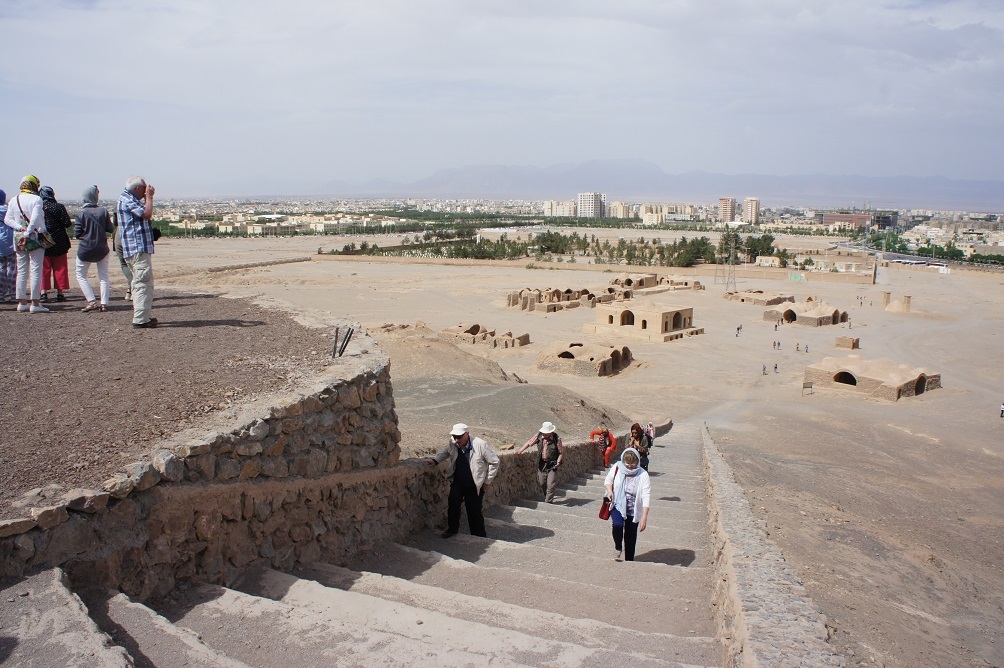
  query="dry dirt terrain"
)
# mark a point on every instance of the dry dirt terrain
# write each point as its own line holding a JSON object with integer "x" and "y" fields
{"x": 891, "y": 513}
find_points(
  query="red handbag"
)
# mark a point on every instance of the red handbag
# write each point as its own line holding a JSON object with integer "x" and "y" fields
{"x": 607, "y": 504}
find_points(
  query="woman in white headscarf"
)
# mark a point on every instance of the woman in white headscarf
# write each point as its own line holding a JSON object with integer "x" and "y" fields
{"x": 629, "y": 486}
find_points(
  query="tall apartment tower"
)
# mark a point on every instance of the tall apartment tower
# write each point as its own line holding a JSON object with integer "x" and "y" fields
{"x": 592, "y": 205}
{"x": 751, "y": 210}
{"x": 726, "y": 209}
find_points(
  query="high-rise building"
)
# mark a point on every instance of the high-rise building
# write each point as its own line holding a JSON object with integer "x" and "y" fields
{"x": 592, "y": 205}
{"x": 553, "y": 208}
{"x": 751, "y": 210}
{"x": 726, "y": 209}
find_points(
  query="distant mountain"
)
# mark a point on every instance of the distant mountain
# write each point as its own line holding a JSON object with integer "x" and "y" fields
{"x": 639, "y": 180}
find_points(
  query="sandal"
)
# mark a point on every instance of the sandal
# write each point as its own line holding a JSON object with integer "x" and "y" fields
{"x": 103, "y": 308}
{"x": 60, "y": 297}
{"x": 91, "y": 306}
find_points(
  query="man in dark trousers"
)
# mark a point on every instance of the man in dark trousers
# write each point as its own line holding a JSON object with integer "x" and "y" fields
{"x": 472, "y": 467}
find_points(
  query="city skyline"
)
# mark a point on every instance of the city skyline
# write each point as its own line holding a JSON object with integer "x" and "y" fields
{"x": 252, "y": 98}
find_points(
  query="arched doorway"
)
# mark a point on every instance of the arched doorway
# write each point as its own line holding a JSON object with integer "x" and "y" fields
{"x": 921, "y": 386}
{"x": 627, "y": 318}
{"x": 789, "y": 316}
{"x": 846, "y": 378}
{"x": 677, "y": 320}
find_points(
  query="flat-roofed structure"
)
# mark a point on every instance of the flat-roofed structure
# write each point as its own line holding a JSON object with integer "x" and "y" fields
{"x": 808, "y": 313}
{"x": 879, "y": 378}
{"x": 643, "y": 319}
{"x": 583, "y": 359}
{"x": 759, "y": 298}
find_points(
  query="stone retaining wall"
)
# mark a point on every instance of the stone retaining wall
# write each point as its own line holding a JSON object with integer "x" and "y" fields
{"x": 315, "y": 479}
{"x": 765, "y": 617}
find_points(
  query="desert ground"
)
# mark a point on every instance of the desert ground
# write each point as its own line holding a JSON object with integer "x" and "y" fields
{"x": 892, "y": 513}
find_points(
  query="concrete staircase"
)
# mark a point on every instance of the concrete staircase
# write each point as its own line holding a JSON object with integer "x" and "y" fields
{"x": 543, "y": 590}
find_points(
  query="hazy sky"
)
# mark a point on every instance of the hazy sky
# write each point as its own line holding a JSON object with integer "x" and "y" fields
{"x": 236, "y": 96}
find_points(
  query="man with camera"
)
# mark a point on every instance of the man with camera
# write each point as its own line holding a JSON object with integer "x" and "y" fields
{"x": 135, "y": 209}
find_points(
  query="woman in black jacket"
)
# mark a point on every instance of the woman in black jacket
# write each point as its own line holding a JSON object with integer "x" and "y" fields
{"x": 54, "y": 270}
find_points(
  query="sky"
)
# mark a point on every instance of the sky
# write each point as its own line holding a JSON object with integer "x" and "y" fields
{"x": 228, "y": 97}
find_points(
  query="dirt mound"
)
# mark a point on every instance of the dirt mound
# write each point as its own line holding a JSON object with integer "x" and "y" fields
{"x": 437, "y": 384}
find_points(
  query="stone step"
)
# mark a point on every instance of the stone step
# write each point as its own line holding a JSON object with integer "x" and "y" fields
{"x": 660, "y": 512}
{"x": 552, "y": 626}
{"x": 433, "y": 626}
{"x": 659, "y": 532}
{"x": 269, "y": 634}
{"x": 150, "y": 639}
{"x": 43, "y": 624}
{"x": 596, "y": 543}
{"x": 674, "y": 598}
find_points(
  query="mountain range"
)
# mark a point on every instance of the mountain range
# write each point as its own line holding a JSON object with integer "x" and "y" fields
{"x": 642, "y": 181}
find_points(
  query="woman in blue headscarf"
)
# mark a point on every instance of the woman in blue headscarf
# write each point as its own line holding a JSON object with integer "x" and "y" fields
{"x": 629, "y": 486}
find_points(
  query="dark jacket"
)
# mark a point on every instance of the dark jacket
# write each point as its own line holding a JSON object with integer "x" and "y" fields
{"x": 57, "y": 220}
{"x": 91, "y": 229}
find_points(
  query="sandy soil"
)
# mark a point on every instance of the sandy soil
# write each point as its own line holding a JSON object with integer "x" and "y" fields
{"x": 891, "y": 513}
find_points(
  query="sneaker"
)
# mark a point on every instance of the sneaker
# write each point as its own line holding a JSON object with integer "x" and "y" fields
{"x": 128, "y": 296}
{"x": 149, "y": 324}
{"x": 22, "y": 307}
{"x": 44, "y": 297}
{"x": 60, "y": 297}
{"x": 617, "y": 555}
{"x": 449, "y": 534}
{"x": 38, "y": 309}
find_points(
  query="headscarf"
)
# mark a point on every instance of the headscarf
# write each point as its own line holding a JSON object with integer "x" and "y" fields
{"x": 3, "y": 198}
{"x": 620, "y": 495}
{"x": 47, "y": 193}
{"x": 91, "y": 196}
{"x": 29, "y": 184}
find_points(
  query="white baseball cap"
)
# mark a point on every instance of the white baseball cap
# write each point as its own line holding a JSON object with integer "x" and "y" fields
{"x": 459, "y": 429}
{"x": 548, "y": 428}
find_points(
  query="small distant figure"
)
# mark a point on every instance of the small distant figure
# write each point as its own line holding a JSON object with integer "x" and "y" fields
{"x": 797, "y": 349}
{"x": 806, "y": 347}
{"x": 775, "y": 368}
{"x": 650, "y": 430}
{"x": 775, "y": 326}
{"x": 778, "y": 345}
{"x": 765, "y": 373}
{"x": 1002, "y": 409}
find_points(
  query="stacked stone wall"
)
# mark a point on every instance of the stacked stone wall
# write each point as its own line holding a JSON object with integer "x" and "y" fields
{"x": 314, "y": 479}
{"x": 765, "y": 617}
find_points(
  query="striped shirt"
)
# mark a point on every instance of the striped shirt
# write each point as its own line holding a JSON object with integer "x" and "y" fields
{"x": 136, "y": 233}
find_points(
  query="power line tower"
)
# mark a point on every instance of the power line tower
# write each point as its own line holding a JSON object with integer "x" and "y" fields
{"x": 730, "y": 272}
{"x": 726, "y": 273}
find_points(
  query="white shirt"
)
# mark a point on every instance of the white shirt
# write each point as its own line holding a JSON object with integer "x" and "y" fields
{"x": 32, "y": 206}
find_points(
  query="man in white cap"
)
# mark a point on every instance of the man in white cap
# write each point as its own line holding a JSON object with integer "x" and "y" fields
{"x": 473, "y": 466}
{"x": 549, "y": 453}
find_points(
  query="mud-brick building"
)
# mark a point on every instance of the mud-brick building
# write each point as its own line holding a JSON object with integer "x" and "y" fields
{"x": 879, "y": 378}
{"x": 643, "y": 319}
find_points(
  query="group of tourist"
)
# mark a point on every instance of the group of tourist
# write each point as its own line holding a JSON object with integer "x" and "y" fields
{"x": 34, "y": 245}
{"x": 473, "y": 465}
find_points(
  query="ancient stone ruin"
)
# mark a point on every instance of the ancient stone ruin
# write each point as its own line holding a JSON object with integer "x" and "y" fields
{"x": 880, "y": 378}
{"x": 481, "y": 336}
{"x": 810, "y": 313}
{"x": 552, "y": 300}
{"x": 758, "y": 298}
{"x": 849, "y": 342}
{"x": 643, "y": 319}
{"x": 583, "y": 359}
